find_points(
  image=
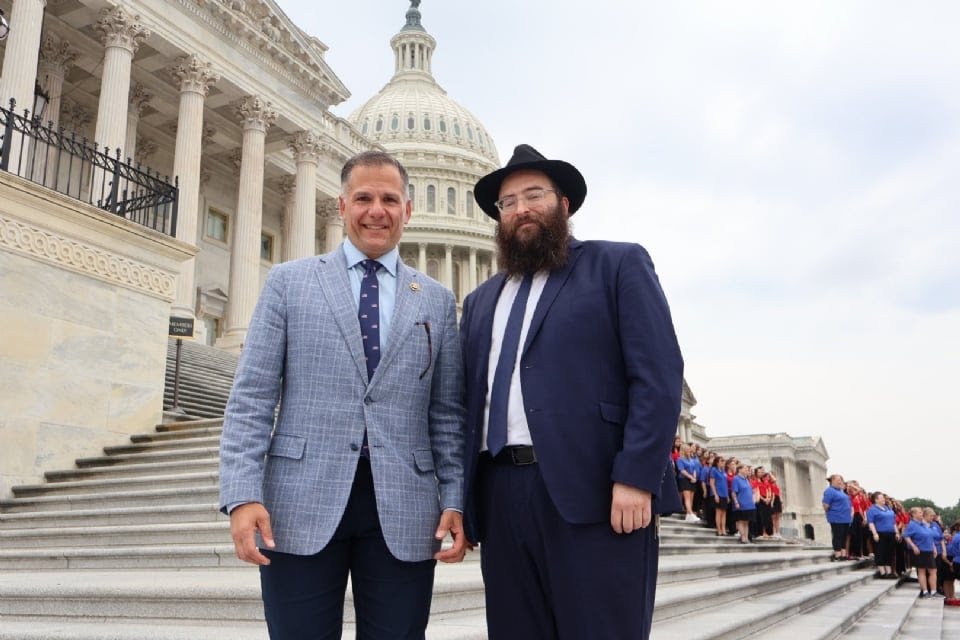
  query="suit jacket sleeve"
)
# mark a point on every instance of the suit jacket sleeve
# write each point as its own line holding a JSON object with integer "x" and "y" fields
{"x": 446, "y": 413}
{"x": 654, "y": 370}
{"x": 249, "y": 418}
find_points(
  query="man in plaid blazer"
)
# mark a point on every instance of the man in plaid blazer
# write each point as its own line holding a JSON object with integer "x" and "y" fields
{"x": 354, "y": 474}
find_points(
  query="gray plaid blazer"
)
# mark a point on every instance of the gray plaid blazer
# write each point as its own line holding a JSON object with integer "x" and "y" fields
{"x": 304, "y": 352}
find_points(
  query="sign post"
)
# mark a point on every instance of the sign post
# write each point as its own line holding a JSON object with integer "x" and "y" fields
{"x": 180, "y": 328}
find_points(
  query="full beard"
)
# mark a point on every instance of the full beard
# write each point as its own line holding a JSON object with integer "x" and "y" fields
{"x": 540, "y": 249}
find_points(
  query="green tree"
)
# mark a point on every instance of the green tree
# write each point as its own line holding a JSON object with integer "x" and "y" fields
{"x": 950, "y": 515}
{"x": 923, "y": 503}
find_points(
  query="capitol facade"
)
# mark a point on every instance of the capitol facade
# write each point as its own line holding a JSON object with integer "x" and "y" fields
{"x": 161, "y": 157}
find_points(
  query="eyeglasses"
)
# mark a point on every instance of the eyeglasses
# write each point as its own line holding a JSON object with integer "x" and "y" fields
{"x": 532, "y": 196}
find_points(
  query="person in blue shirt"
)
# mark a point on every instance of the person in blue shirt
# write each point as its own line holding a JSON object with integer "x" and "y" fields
{"x": 687, "y": 480}
{"x": 744, "y": 502}
{"x": 919, "y": 537}
{"x": 839, "y": 510}
{"x": 932, "y": 520}
{"x": 880, "y": 521}
{"x": 720, "y": 492}
{"x": 953, "y": 560}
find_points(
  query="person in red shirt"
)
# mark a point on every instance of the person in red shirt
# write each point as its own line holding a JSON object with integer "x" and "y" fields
{"x": 777, "y": 504}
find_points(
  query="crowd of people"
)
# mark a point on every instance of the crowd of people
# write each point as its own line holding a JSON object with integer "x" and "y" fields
{"x": 899, "y": 540}
{"x": 732, "y": 497}
{"x": 735, "y": 498}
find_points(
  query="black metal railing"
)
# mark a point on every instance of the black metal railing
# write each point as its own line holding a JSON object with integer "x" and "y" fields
{"x": 74, "y": 167}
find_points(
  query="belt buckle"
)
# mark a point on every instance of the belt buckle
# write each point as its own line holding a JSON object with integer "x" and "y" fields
{"x": 522, "y": 456}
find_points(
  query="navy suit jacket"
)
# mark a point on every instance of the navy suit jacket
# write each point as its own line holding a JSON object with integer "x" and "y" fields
{"x": 601, "y": 375}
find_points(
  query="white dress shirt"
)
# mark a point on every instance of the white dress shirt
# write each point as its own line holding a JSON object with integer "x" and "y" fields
{"x": 518, "y": 432}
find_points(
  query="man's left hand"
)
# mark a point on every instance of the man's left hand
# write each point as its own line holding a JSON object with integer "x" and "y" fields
{"x": 631, "y": 508}
{"x": 451, "y": 522}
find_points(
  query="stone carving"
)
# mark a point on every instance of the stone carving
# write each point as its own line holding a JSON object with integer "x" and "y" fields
{"x": 306, "y": 146}
{"x": 194, "y": 74}
{"x": 119, "y": 28}
{"x": 145, "y": 149}
{"x": 139, "y": 97}
{"x": 77, "y": 256}
{"x": 255, "y": 112}
{"x": 76, "y": 115}
{"x": 57, "y": 54}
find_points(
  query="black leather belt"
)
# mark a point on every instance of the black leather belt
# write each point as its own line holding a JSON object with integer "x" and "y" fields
{"x": 518, "y": 456}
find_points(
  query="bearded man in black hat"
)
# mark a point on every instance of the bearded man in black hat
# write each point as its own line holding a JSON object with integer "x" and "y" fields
{"x": 574, "y": 378}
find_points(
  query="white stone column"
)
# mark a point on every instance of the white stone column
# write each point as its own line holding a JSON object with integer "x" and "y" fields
{"x": 139, "y": 97}
{"x": 256, "y": 115}
{"x": 334, "y": 225}
{"x": 195, "y": 78}
{"x": 494, "y": 267}
{"x": 122, "y": 35}
{"x": 422, "y": 257}
{"x": 21, "y": 54}
{"x": 56, "y": 58}
{"x": 472, "y": 276}
{"x": 287, "y": 186}
{"x": 448, "y": 265}
{"x": 19, "y": 68}
{"x": 303, "y": 228}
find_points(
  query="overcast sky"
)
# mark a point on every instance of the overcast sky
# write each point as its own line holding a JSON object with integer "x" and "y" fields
{"x": 793, "y": 169}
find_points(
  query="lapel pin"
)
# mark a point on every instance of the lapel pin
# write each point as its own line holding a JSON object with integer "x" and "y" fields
{"x": 414, "y": 286}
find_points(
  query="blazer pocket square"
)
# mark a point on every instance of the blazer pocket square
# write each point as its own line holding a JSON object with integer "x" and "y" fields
{"x": 424, "y": 459}
{"x": 287, "y": 446}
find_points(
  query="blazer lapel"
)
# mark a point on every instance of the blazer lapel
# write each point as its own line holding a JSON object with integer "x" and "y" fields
{"x": 335, "y": 284}
{"x": 554, "y": 283}
{"x": 406, "y": 312}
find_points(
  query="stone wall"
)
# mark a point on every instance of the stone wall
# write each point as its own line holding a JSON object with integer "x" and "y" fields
{"x": 84, "y": 305}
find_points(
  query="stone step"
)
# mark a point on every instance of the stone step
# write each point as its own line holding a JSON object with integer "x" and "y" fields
{"x": 185, "y": 556}
{"x": 832, "y": 618}
{"x": 885, "y": 619}
{"x": 207, "y": 464}
{"x": 706, "y": 565}
{"x": 190, "y": 495}
{"x": 926, "y": 618}
{"x": 168, "y": 443}
{"x": 99, "y": 536}
{"x": 116, "y": 516}
{"x": 106, "y": 485}
{"x": 746, "y": 605}
{"x": 184, "y": 435}
{"x": 200, "y": 450}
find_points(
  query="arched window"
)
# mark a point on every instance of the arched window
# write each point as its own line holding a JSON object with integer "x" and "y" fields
{"x": 379, "y": 126}
{"x": 469, "y": 133}
{"x": 426, "y": 123}
{"x": 366, "y": 125}
{"x": 469, "y": 203}
{"x": 452, "y": 201}
{"x": 411, "y": 123}
{"x": 394, "y": 122}
{"x": 431, "y": 199}
{"x": 443, "y": 125}
{"x": 456, "y": 129}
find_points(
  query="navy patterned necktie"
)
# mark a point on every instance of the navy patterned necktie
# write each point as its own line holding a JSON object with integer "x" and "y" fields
{"x": 500, "y": 393}
{"x": 369, "y": 314}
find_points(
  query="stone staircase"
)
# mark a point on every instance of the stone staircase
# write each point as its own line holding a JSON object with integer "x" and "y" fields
{"x": 206, "y": 375}
{"x": 129, "y": 546}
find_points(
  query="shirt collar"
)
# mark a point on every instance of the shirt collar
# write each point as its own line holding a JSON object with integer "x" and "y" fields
{"x": 355, "y": 256}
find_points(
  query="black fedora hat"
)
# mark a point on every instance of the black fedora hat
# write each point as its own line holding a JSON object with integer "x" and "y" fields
{"x": 564, "y": 175}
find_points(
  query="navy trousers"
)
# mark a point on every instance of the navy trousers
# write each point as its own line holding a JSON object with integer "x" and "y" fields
{"x": 303, "y": 596}
{"x": 548, "y": 579}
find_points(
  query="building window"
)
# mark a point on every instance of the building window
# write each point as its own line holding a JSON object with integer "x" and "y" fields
{"x": 469, "y": 203}
{"x": 266, "y": 247}
{"x": 470, "y": 133}
{"x": 456, "y": 129}
{"x": 365, "y": 127}
{"x": 431, "y": 199}
{"x": 412, "y": 192}
{"x": 379, "y": 126}
{"x": 411, "y": 123}
{"x": 426, "y": 123}
{"x": 443, "y": 125}
{"x": 452, "y": 201}
{"x": 456, "y": 282}
{"x": 394, "y": 122}
{"x": 433, "y": 269}
{"x": 217, "y": 225}
{"x": 211, "y": 328}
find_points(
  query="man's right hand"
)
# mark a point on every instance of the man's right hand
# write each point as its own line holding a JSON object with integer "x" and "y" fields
{"x": 245, "y": 521}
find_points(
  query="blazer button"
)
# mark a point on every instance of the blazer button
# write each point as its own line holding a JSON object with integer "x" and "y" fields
{"x": 354, "y": 446}
{"x": 368, "y": 400}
